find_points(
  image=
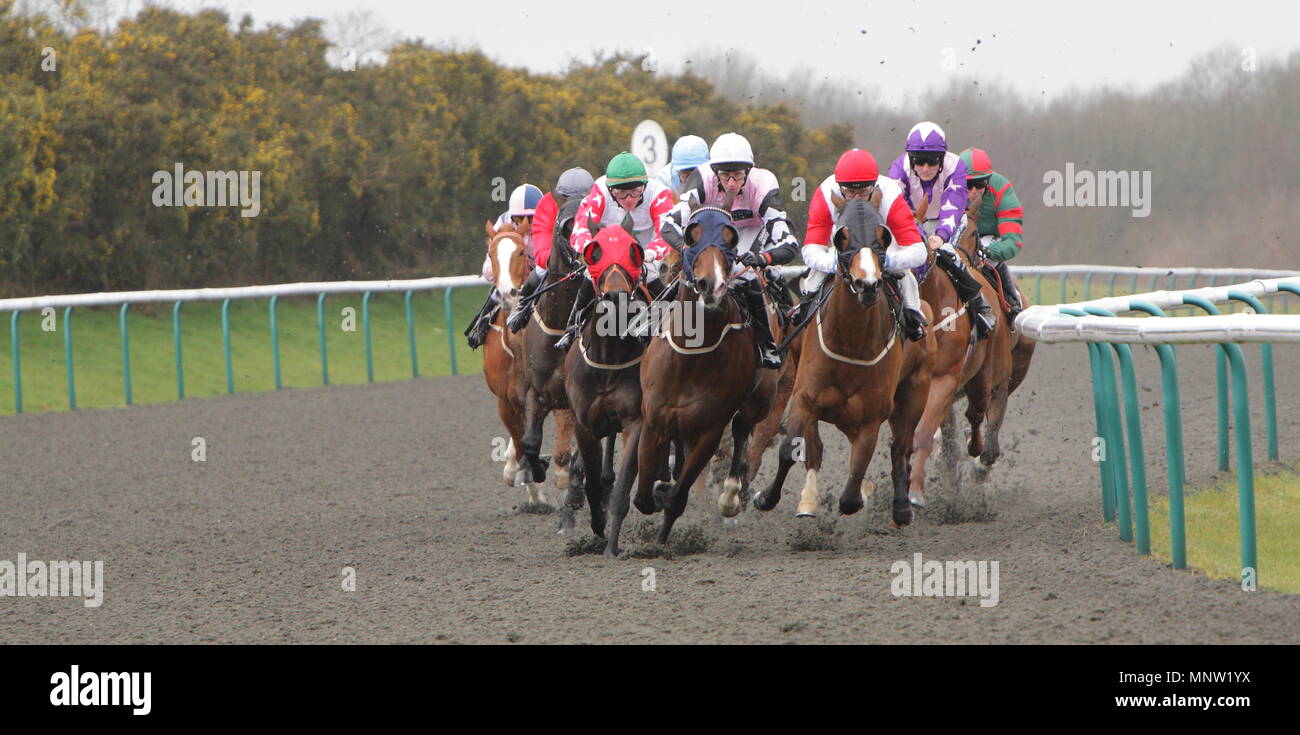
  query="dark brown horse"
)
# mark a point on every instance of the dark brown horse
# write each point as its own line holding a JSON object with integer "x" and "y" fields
{"x": 543, "y": 364}
{"x": 855, "y": 371}
{"x": 602, "y": 376}
{"x": 980, "y": 368}
{"x": 697, "y": 376}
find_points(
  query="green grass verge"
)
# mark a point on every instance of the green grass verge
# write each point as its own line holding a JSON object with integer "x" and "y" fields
{"x": 1213, "y": 539}
{"x": 97, "y": 356}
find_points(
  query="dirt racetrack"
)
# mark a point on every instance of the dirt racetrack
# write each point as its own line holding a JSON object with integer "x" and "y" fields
{"x": 396, "y": 481}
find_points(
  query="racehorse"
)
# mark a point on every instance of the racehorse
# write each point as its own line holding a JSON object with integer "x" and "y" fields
{"x": 980, "y": 367}
{"x": 602, "y": 374}
{"x": 691, "y": 393}
{"x": 855, "y": 371}
{"x": 543, "y": 364}
{"x": 501, "y": 368}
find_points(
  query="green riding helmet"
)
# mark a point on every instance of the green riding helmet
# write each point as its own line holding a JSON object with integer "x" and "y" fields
{"x": 625, "y": 169}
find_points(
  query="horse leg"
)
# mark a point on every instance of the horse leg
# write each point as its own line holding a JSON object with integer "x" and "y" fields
{"x": 937, "y": 405}
{"x": 977, "y": 406}
{"x": 910, "y": 401}
{"x": 997, "y": 411}
{"x": 767, "y": 429}
{"x": 607, "y": 465}
{"x": 809, "y": 498}
{"x": 618, "y": 497}
{"x": 786, "y": 456}
{"x": 589, "y": 454}
{"x": 698, "y": 455}
{"x": 864, "y": 445}
{"x": 651, "y": 448}
{"x": 534, "y": 417}
{"x": 562, "y": 455}
{"x": 729, "y": 500}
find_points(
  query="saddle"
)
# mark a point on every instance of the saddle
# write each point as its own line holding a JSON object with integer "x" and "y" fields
{"x": 990, "y": 270}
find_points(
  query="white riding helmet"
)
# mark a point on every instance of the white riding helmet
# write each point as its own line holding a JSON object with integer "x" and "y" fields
{"x": 731, "y": 148}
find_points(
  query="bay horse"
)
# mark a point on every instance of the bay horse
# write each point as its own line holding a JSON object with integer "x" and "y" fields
{"x": 981, "y": 368}
{"x": 543, "y": 364}
{"x": 602, "y": 374}
{"x": 856, "y": 371}
{"x": 689, "y": 394}
{"x": 501, "y": 367}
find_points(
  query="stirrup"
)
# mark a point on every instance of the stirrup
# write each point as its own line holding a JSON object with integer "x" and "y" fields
{"x": 519, "y": 317}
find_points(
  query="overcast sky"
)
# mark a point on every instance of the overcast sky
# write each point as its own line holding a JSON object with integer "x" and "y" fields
{"x": 1042, "y": 48}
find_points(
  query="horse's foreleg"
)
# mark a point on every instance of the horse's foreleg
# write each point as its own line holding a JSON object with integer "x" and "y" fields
{"x": 909, "y": 405}
{"x": 942, "y": 390}
{"x": 791, "y": 451}
{"x": 651, "y": 448}
{"x": 618, "y": 497}
{"x": 977, "y": 405}
{"x": 864, "y": 445}
{"x": 809, "y": 498}
{"x": 589, "y": 455}
{"x": 698, "y": 455}
{"x": 562, "y": 455}
{"x": 729, "y": 500}
{"x": 997, "y": 411}
{"x": 531, "y": 446}
{"x": 767, "y": 429}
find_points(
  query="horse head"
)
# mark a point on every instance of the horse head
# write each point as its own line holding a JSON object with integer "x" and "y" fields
{"x": 969, "y": 241}
{"x": 860, "y": 241}
{"x": 509, "y": 258}
{"x": 710, "y": 249}
{"x": 563, "y": 258}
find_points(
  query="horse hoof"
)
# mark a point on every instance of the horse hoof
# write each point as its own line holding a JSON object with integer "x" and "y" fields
{"x": 521, "y": 478}
{"x": 902, "y": 517}
{"x": 561, "y": 479}
{"x": 756, "y": 500}
{"x": 916, "y": 500}
{"x": 729, "y": 509}
{"x": 848, "y": 507}
{"x": 646, "y": 506}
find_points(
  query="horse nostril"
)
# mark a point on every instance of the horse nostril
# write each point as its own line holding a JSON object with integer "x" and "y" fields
{"x": 514, "y": 292}
{"x": 701, "y": 285}
{"x": 859, "y": 284}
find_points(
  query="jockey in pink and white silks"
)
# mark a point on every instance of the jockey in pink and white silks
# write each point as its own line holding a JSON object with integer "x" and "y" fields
{"x": 856, "y": 177}
{"x": 758, "y": 214}
{"x": 927, "y": 169}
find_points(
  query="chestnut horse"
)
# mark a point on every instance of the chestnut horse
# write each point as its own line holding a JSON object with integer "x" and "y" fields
{"x": 856, "y": 371}
{"x": 980, "y": 367}
{"x": 543, "y": 364}
{"x": 602, "y": 376}
{"x": 691, "y": 393}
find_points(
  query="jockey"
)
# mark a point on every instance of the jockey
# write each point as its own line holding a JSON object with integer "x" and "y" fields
{"x": 758, "y": 214}
{"x": 574, "y": 182}
{"x": 928, "y": 169}
{"x": 856, "y": 176}
{"x": 688, "y": 152}
{"x": 523, "y": 203}
{"x": 1000, "y": 221}
{"x": 624, "y": 196}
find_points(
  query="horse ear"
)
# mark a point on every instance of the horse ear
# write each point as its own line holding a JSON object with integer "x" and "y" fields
{"x": 730, "y": 236}
{"x": 627, "y": 225}
{"x": 592, "y": 225}
{"x": 728, "y": 200}
{"x": 840, "y": 237}
{"x": 837, "y": 200}
{"x": 692, "y": 234}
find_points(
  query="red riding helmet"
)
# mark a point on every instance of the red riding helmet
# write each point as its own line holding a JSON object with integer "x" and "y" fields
{"x": 856, "y": 167}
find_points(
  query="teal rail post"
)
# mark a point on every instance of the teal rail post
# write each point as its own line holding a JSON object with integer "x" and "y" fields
{"x": 1137, "y": 455}
{"x": 1266, "y": 362}
{"x": 320, "y": 325}
{"x": 1063, "y": 298}
{"x": 67, "y": 358}
{"x": 1221, "y": 379}
{"x": 1133, "y": 287}
{"x": 225, "y": 343}
{"x": 1100, "y": 409}
{"x": 365, "y": 321}
{"x": 1038, "y": 289}
{"x": 275, "y": 343}
{"x": 1110, "y": 285}
{"x": 451, "y": 329}
{"x": 1154, "y": 281}
{"x": 126, "y": 354}
{"x": 1245, "y": 462}
{"x": 18, "y": 370}
{"x": 1173, "y": 442}
{"x": 1195, "y": 278}
{"x": 410, "y": 335}
{"x": 1087, "y": 286}
{"x": 180, "y": 360}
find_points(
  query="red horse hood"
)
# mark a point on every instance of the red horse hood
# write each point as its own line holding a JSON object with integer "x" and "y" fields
{"x": 613, "y": 246}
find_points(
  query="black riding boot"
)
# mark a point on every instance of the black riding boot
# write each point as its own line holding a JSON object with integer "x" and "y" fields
{"x": 656, "y": 288}
{"x": 580, "y": 304}
{"x": 968, "y": 290}
{"x": 762, "y": 328}
{"x": 476, "y": 332}
{"x": 524, "y": 308}
{"x": 1012, "y": 294}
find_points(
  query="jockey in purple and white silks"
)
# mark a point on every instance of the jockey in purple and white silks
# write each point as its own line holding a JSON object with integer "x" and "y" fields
{"x": 927, "y": 169}
{"x": 757, "y": 213}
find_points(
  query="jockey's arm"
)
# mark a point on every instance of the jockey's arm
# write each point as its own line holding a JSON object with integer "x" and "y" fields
{"x": 781, "y": 245}
{"x": 817, "y": 253}
{"x": 952, "y": 203}
{"x": 1010, "y": 217}
{"x": 661, "y": 207}
{"x": 906, "y": 251}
